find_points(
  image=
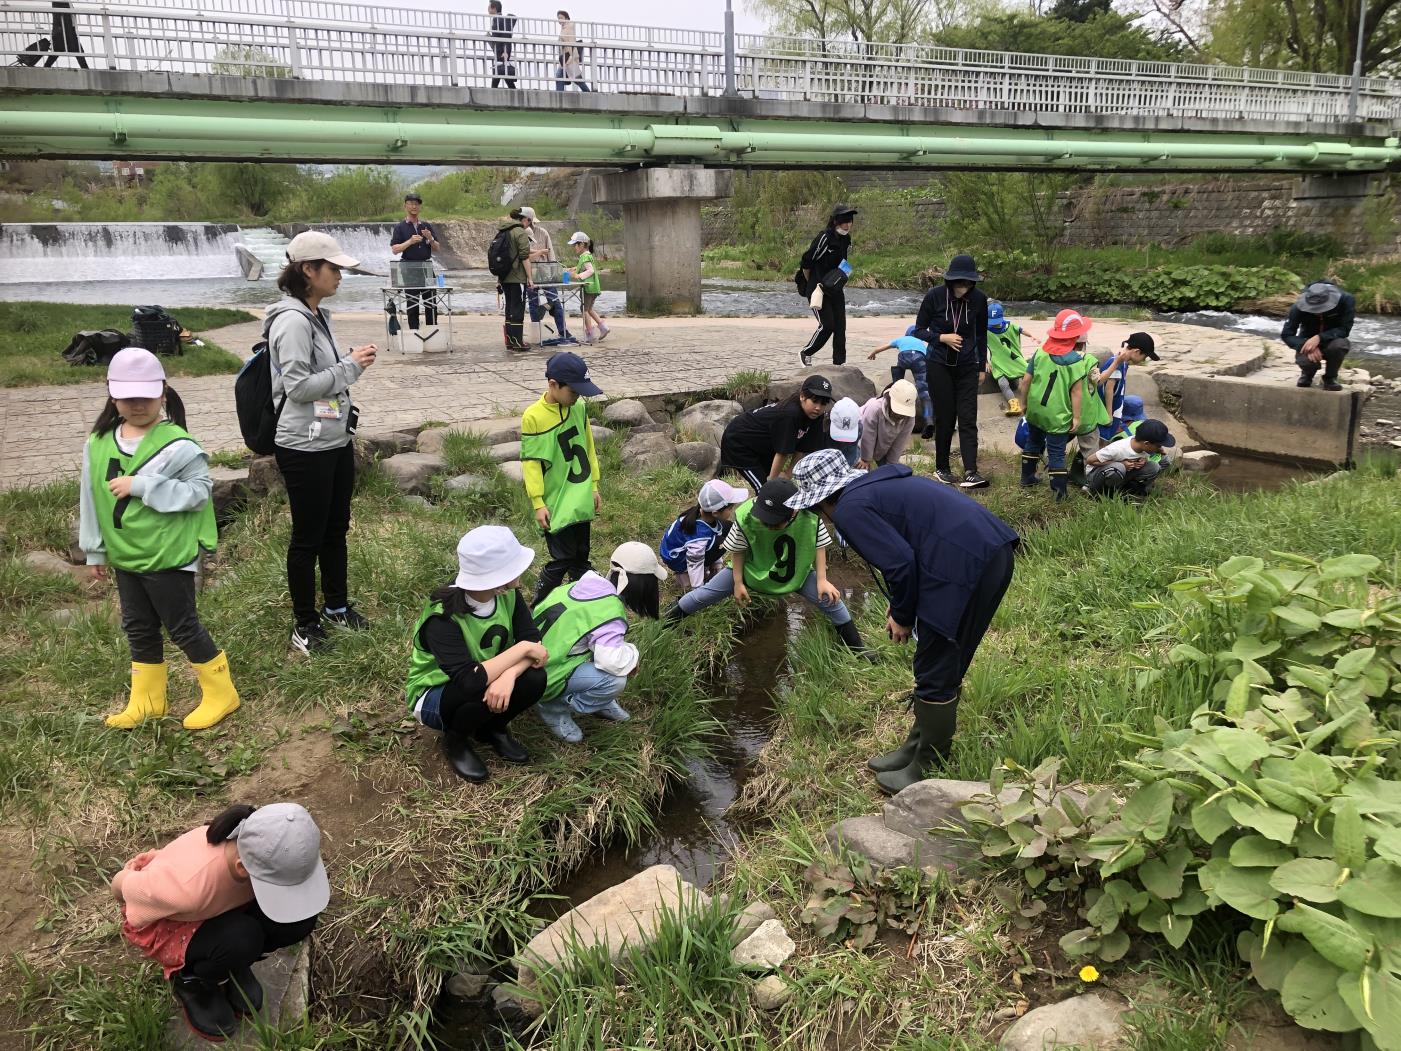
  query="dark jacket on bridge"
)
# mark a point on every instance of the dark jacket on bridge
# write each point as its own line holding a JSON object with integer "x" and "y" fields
{"x": 1335, "y": 324}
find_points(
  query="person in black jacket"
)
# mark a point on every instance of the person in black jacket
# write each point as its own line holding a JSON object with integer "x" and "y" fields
{"x": 65, "y": 36}
{"x": 1317, "y": 330}
{"x": 502, "y": 26}
{"x": 824, "y": 266}
{"x": 953, "y": 320}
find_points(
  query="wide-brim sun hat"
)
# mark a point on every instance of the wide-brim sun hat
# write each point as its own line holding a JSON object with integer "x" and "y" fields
{"x": 490, "y": 557}
{"x": 1068, "y": 329}
{"x": 1319, "y": 298}
{"x": 135, "y": 373}
{"x": 818, "y": 475}
{"x": 962, "y": 268}
{"x": 903, "y": 398}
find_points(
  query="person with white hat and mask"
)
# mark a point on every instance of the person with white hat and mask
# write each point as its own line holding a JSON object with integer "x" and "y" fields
{"x": 887, "y": 423}
{"x": 477, "y": 662}
{"x": 542, "y": 250}
{"x": 693, "y": 546}
{"x": 214, "y": 901}
{"x": 582, "y": 625}
{"x": 316, "y": 421}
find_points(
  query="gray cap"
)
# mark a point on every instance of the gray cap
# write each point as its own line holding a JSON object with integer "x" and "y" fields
{"x": 280, "y": 846}
{"x": 1319, "y": 298}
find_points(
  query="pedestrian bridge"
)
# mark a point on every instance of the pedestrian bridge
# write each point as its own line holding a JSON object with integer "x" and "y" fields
{"x": 308, "y": 80}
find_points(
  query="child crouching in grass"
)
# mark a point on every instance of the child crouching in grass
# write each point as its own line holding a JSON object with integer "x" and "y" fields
{"x": 693, "y": 547}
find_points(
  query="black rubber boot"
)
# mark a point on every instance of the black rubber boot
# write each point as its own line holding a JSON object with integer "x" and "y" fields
{"x": 465, "y": 763}
{"x": 900, "y": 758}
{"x": 935, "y": 723}
{"x": 673, "y": 614}
{"x": 1059, "y": 484}
{"x": 851, "y": 639}
{"x": 244, "y": 991}
{"x": 504, "y": 743}
{"x": 1029, "y": 464}
{"x": 206, "y": 1008}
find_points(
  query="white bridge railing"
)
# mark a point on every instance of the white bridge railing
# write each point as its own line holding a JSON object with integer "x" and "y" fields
{"x": 363, "y": 43}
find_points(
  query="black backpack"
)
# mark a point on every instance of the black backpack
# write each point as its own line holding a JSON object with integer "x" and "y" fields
{"x": 257, "y": 417}
{"x": 95, "y": 348}
{"x": 501, "y": 253}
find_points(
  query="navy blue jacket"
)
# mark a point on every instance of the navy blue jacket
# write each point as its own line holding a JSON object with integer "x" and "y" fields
{"x": 928, "y": 542}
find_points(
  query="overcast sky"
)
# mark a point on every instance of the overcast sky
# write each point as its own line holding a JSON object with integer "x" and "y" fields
{"x": 697, "y": 14}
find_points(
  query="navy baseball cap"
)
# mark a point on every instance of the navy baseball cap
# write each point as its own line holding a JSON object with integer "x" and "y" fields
{"x": 771, "y": 501}
{"x": 412, "y": 197}
{"x": 1155, "y": 431}
{"x": 569, "y": 370}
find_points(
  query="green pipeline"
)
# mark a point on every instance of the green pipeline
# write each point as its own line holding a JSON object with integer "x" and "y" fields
{"x": 179, "y": 127}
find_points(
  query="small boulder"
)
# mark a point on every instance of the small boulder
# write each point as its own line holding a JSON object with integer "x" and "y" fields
{"x": 63, "y": 617}
{"x": 869, "y": 836}
{"x": 514, "y": 471}
{"x": 716, "y": 412}
{"x": 414, "y": 500}
{"x": 432, "y": 440}
{"x": 755, "y": 914}
{"x": 701, "y": 457}
{"x": 264, "y": 477}
{"x": 372, "y": 447}
{"x": 1200, "y": 460}
{"x": 468, "y": 986}
{"x": 847, "y": 382}
{"x": 642, "y": 452}
{"x": 629, "y": 412}
{"x": 1089, "y": 1022}
{"x": 411, "y": 472}
{"x": 230, "y": 488}
{"x": 505, "y": 452}
{"x": 701, "y": 431}
{"x": 600, "y": 434}
{"x": 465, "y": 483}
{"x": 48, "y": 563}
{"x": 75, "y": 550}
{"x": 770, "y": 993}
{"x": 767, "y": 949}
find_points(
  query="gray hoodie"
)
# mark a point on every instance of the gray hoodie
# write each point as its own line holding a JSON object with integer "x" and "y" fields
{"x": 307, "y": 367}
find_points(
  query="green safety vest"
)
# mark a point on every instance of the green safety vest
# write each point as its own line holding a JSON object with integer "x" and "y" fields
{"x": 592, "y": 285}
{"x": 564, "y": 454}
{"x": 778, "y": 561}
{"x": 139, "y": 539}
{"x": 1048, "y": 401}
{"x": 1005, "y": 353}
{"x": 486, "y": 637}
{"x": 563, "y": 620}
{"x": 1093, "y": 413}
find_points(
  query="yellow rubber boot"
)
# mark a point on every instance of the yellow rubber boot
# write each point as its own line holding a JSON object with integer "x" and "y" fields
{"x": 147, "y": 697}
{"x": 217, "y": 696}
{"x": 1014, "y": 408}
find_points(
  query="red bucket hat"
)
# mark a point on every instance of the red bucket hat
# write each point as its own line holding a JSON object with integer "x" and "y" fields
{"x": 1068, "y": 329}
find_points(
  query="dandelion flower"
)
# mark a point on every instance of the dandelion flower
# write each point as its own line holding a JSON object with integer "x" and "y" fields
{"x": 1089, "y": 974}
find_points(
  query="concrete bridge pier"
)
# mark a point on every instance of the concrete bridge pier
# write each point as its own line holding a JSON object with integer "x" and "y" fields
{"x": 662, "y": 232}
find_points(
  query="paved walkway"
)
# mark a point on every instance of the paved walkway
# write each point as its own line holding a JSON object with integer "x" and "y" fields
{"x": 45, "y": 427}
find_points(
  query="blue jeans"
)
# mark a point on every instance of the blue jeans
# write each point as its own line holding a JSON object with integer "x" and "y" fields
{"x": 589, "y": 689}
{"x": 915, "y": 363}
{"x": 1053, "y": 445}
{"x": 552, "y": 304}
{"x": 722, "y": 585}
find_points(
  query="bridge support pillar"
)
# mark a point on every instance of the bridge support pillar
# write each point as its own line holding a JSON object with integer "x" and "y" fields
{"x": 1342, "y": 205}
{"x": 662, "y": 232}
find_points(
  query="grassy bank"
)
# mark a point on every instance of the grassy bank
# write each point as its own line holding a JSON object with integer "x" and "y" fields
{"x": 431, "y": 875}
{"x": 1214, "y": 272}
{"x": 33, "y": 337}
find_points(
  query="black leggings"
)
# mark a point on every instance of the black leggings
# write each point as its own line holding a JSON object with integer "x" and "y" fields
{"x": 465, "y": 715}
{"x": 569, "y": 557}
{"x": 954, "y": 392}
{"x": 238, "y": 938}
{"x": 940, "y": 663}
{"x": 319, "y": 487}
{"x": 166, "y": 599}
{"x": 515, "y": 312}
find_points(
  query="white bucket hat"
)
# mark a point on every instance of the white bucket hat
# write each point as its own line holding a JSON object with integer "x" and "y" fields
{"x": 637, "y": 559}
{"x": 490, "y": 557}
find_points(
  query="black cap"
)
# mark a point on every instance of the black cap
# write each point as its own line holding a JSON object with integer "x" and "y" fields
{"x": 840, "y": 211}
{"x": 818, "y": 387}
{"x": 569, "y": 370}
{"x": 412, "y": 197}
{"x": 962, "y": 268}
{"x": 1155, "y": 431}
{"x": 771, "y": 502}
{"x": 1144, "y": 342}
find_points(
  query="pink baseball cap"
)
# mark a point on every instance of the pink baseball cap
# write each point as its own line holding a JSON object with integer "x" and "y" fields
{"x": 135, "y": 373}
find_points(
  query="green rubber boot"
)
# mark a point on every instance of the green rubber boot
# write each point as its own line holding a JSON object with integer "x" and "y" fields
{"x": 898, "y": 759}
{"x": 935, "y": 721}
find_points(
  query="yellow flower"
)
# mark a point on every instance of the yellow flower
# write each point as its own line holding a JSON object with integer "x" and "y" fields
{"x": 1089, "y": 974}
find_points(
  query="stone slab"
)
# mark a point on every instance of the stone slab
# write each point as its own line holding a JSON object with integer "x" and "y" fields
{"x": 1089, "y": 1022}
{"x": 1276, "y": 421}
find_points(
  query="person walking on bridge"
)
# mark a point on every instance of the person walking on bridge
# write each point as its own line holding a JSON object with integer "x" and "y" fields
{"x": 502, "y": 26}
{"x": 65, "y": 36}
{"x": 824, "y": 270}
{"x": 1317, "y": 329}
{"x": 571, "y": 58}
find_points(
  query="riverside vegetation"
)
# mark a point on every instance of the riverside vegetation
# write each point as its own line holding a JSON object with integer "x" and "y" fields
{"x": 432, "y": 877}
